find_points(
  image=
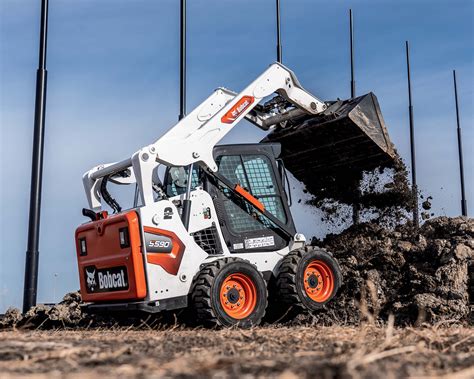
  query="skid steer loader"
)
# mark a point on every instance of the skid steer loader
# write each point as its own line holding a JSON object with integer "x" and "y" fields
{"x": 216, "y": 226}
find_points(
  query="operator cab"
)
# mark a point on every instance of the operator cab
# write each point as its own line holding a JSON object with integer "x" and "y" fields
{"x": 255, "y": 168}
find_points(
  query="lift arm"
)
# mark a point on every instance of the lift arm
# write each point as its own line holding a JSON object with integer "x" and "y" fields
{"x": 193, "y": 138}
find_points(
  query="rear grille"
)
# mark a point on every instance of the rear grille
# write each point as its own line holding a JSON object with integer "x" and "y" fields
{"x": 208, "y": 240}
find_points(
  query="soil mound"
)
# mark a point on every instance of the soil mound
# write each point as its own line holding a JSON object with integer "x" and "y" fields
{"x": 71, "y": 313}
{"x": 66, "y": 313}
{"x": 418, "y": 275}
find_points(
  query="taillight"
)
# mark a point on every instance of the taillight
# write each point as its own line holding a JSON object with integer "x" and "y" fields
{"x": 124, "y": 238}
{"x": 83, "y": 246}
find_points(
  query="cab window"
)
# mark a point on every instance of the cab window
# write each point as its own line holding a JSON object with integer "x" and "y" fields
{"x": 176, "y": 180}
{"x": 255, "y": 174}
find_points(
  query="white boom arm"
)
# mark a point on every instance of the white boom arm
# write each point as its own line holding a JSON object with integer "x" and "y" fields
{"x": 193, "y": 138}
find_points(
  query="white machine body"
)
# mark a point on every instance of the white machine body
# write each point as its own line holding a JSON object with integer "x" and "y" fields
{"x": 171, "y": 249}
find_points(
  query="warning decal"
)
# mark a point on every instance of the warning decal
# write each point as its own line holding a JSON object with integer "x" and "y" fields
{"x": 255, "y": 243}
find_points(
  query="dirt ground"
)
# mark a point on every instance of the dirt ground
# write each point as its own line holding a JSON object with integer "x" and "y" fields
{"x": 265, "y": 352}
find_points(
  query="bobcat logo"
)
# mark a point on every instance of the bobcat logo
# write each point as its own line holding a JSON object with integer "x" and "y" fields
{"x": 91, "y": 283}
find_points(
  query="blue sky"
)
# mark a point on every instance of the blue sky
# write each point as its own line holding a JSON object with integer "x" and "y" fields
{"x": 113, "y": 87}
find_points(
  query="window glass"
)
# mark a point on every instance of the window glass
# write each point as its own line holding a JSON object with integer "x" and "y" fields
{"x": 260, "y": 175}
{"x": 177, "y": 180}
{"x": 255, "y": 174}
{"x": 230, "y": 166}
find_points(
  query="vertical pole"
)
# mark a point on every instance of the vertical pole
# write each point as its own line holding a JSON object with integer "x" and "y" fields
{"x": 186, "y": 212}
{"x": 412, "y": 142}
{"x": 461, "y": 164}
{"x": 351, "y": 32}
{"x": 356, "y": 205}
{"x": 32, "y": 253}
{"x": 279, "y": 58}
{"x": 182, "y": 61}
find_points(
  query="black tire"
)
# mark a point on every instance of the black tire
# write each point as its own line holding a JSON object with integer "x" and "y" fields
{"x": 206, "y": 293}
{"x": 291, "y": 283}
{"x": 277, "y": 310}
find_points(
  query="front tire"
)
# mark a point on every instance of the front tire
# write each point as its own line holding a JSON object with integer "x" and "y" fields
{"x": 229, "y": 292}
{"x": 308, "y": 278}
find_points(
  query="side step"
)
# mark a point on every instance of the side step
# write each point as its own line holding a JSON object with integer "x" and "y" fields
{"x": 144, "y": 306}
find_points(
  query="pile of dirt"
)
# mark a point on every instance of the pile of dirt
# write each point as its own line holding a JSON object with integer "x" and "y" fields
{"x": 66, "y": 313}
{"x": 417, "y": 275}
{"x": 72, "y": 313}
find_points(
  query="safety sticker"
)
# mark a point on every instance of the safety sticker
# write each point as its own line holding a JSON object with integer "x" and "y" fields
{"x": 255, "y": 243}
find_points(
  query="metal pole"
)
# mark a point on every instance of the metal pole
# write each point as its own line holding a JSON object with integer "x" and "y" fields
{"x": 32, "y": 253}
{"x": 182, "y": 62}
{"x": 278, "y": 31}
{"x": 356, "y": 205}
{"x": 461, "y": 165}
{"x": 186, "y": 212}
{"x": 351, "y": 32}
{"x": 412, "y": 142}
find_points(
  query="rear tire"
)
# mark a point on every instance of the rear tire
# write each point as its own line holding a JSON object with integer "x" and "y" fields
{"x": 308, "y": 278}
{"x": 229, "y": 292}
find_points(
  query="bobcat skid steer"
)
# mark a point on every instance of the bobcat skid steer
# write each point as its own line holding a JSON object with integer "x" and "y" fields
{"x": 211, "y": 225}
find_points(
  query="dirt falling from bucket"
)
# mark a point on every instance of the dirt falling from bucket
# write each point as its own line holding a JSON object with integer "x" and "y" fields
{"x": 382, "y": 195}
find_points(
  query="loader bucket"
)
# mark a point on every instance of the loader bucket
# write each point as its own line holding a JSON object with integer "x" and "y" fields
{"x": 328, "y": 149}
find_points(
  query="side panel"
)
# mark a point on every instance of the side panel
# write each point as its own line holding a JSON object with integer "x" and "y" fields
{"x": 170, "y": 272}
{"x": 170, "y": 280}
{"x": 164, "y": 248}
{"x": 108, "y": 268}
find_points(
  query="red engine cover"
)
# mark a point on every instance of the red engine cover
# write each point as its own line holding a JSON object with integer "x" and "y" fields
{"x": 111, "y": 267}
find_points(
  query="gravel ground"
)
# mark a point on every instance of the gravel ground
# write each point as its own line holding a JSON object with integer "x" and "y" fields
{"x": 265, "y": 352}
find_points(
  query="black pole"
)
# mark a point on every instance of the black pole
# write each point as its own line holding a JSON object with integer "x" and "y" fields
{"x": 461, "y": 165}
{"x": 356, "y": 205}
{"x": 182, "y": 61}
{"x": 278, "y": 31}
{"x": 32, "y": 253}
{"x": 351, "y": 28}
{"x": 412, "y": 143}
{"x": 186, "y": 212}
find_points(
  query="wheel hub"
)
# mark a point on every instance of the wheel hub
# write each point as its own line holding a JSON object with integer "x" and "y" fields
{"x": 233, "y": 296}
{"x": 318, "y": 281}
{"x": 238, "y": 295}
{"x": 313, "y": 281}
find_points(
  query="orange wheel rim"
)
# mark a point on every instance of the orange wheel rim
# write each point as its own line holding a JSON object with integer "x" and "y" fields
{"x": 318, "y": 281}
{"x": 238, "y": 296}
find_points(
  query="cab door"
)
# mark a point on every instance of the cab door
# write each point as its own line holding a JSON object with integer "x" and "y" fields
{"x": 254, "y": 168}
